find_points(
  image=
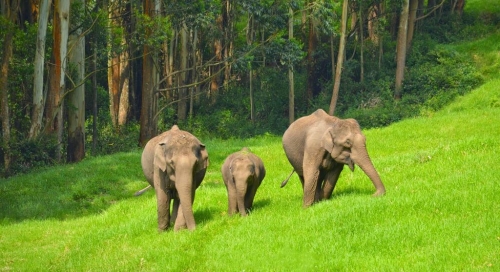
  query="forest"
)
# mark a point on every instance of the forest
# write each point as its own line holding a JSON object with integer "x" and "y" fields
{"x": 88, "y": 78}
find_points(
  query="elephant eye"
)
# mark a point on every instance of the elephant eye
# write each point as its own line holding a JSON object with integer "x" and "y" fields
{"x": 348, "y": 143}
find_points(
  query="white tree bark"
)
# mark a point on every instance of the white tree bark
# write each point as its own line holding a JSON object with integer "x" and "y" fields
{"x": 38, "y": 98}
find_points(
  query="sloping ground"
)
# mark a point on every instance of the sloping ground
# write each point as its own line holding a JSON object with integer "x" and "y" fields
{"x": 441, "y": 211}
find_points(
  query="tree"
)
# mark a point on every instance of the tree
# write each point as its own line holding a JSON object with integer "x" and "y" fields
{"x": 291, "y": 83}
{"x": 312, "y": 43}
{"x": 182, "y": 104}
{"x": 76, "y": 97}
{"x": 150, "y": 81}
{"x": 55, "y": 100}
{"x": 340, "y": 58}
{"x": 38, "y": 97}
{"x": 401, "y": 49}
{"x": 11, "y": 16}
{"x": 119, "y": 63}
{"x": 412, "y": 18}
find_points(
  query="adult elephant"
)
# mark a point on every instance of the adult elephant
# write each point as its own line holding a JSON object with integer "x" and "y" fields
{"x": 175, "y": 163}
{"x": 318, "y": 146}
{"x": 242, "y": 173}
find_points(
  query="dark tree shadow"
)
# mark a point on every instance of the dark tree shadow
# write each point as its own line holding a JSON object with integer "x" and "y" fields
{"x": 71, "y": 191}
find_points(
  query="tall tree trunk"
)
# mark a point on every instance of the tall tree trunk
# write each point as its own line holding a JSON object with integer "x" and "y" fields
{"x": 182, "y": 105}
{"x": 38, "y": 97}
{"x": 401, "y": 49}
{"x": 250, "y": 37}
{"x": 362, "y": 45}
{"x": 149, "y": 85}
{"x": 119, "y": 66}
{"x": 75, "y": 151}
{"x": 312, "y": 42}
{"x": 412, "y": 17}
{"x": 291, "y": 82}
{"x": 4, "y": 75}
{"x": 340, "y": 58}
{"x": 228, "y": 42}
{"x": 54, "y": 120}
{"x": 94, "y": 100}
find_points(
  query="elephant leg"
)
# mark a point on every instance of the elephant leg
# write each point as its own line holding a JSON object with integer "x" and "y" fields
{"x": 310, "y": 187}
{"x": 331, "y": 180}
{"x": 175, "y": 210}
{"x": 162, "y": 200}
{"x": 232, "y": 207}
{"x": 249, "y": 197}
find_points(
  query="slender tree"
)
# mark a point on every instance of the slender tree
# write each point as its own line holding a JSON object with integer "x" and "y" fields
{"x": 38, "y": 97}
{"x": 119, "y": 63}
{"x": 291, "y": 83}
{"x": 312, "y": 43}
{"x": 75, "y": 151}
{"x": 401, "y": 49}
{"x": 412, "y": 18}
{"x": 340, "y": 58}
{"x": 149, "y": 81}
{"x": 54, "y": 120}
{"x": 182, "y": 105}
{"x": 11, "y": 15}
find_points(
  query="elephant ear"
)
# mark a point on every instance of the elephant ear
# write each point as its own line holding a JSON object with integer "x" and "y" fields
{"x": 327, "y": 140}
{"x": 160, "y": 159}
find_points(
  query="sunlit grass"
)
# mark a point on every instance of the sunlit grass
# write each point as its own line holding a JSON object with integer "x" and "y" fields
{"x": 440, "y": 212}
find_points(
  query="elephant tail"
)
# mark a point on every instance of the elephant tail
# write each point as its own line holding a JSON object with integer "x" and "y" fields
{"x": 140, "y": 192}
{"x": 287, "y": 179}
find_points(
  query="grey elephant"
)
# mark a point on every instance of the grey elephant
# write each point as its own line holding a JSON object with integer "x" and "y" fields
{"x": 318, "y": 146}
{"x": 175, "y": 163}
{"x": 243, "y": 173}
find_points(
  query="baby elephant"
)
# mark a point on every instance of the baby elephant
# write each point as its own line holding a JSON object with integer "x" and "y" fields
{"x": 243, "y": 173}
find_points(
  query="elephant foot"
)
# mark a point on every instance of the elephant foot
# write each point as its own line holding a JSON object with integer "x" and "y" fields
{"x": 379, "y": 193}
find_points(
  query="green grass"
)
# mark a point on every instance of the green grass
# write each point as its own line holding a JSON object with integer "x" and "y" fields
{"x": 441, "y": 211}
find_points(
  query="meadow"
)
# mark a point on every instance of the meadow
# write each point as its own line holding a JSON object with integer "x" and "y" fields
{"x": 440, "y": 213}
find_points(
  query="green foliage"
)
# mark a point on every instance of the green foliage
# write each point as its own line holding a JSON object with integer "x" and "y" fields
{"x": 111, "y": 140}
{"x": 227, "y": 115}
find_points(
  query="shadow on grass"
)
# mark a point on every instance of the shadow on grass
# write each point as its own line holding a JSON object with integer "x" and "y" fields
{"x": 261, "y": 203}
{"x": 70, "y": 191}
{"x": 352, "y": 191}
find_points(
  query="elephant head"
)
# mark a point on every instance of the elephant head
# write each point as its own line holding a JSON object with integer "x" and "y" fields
{"x": 347, "y": 145}
{"x": 243, "y": 173}
{"x": 175, "y": 163}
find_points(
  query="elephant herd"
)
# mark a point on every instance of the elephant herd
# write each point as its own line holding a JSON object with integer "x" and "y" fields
{"x": 317, "y": 146}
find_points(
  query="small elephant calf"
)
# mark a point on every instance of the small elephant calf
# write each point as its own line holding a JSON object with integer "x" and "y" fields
{"x": 243, "y": 173}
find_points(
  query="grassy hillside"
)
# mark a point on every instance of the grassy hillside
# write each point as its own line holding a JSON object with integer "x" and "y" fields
{"x": 440, "y": 212}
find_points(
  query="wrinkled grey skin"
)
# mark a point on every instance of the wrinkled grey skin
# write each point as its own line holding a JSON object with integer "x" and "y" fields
{"x": 243, "y": 173}
{"x": 175, "y": 163}
{"x": 318, "y": 146}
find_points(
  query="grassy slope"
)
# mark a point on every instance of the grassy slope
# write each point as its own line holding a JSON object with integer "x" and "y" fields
{"x": 440, "y": 213}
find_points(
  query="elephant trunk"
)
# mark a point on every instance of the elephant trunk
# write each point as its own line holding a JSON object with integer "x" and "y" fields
{"x": 241, "y": 190}
{"x": 362, "y": 159}
{"x": 185, "y": 190}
